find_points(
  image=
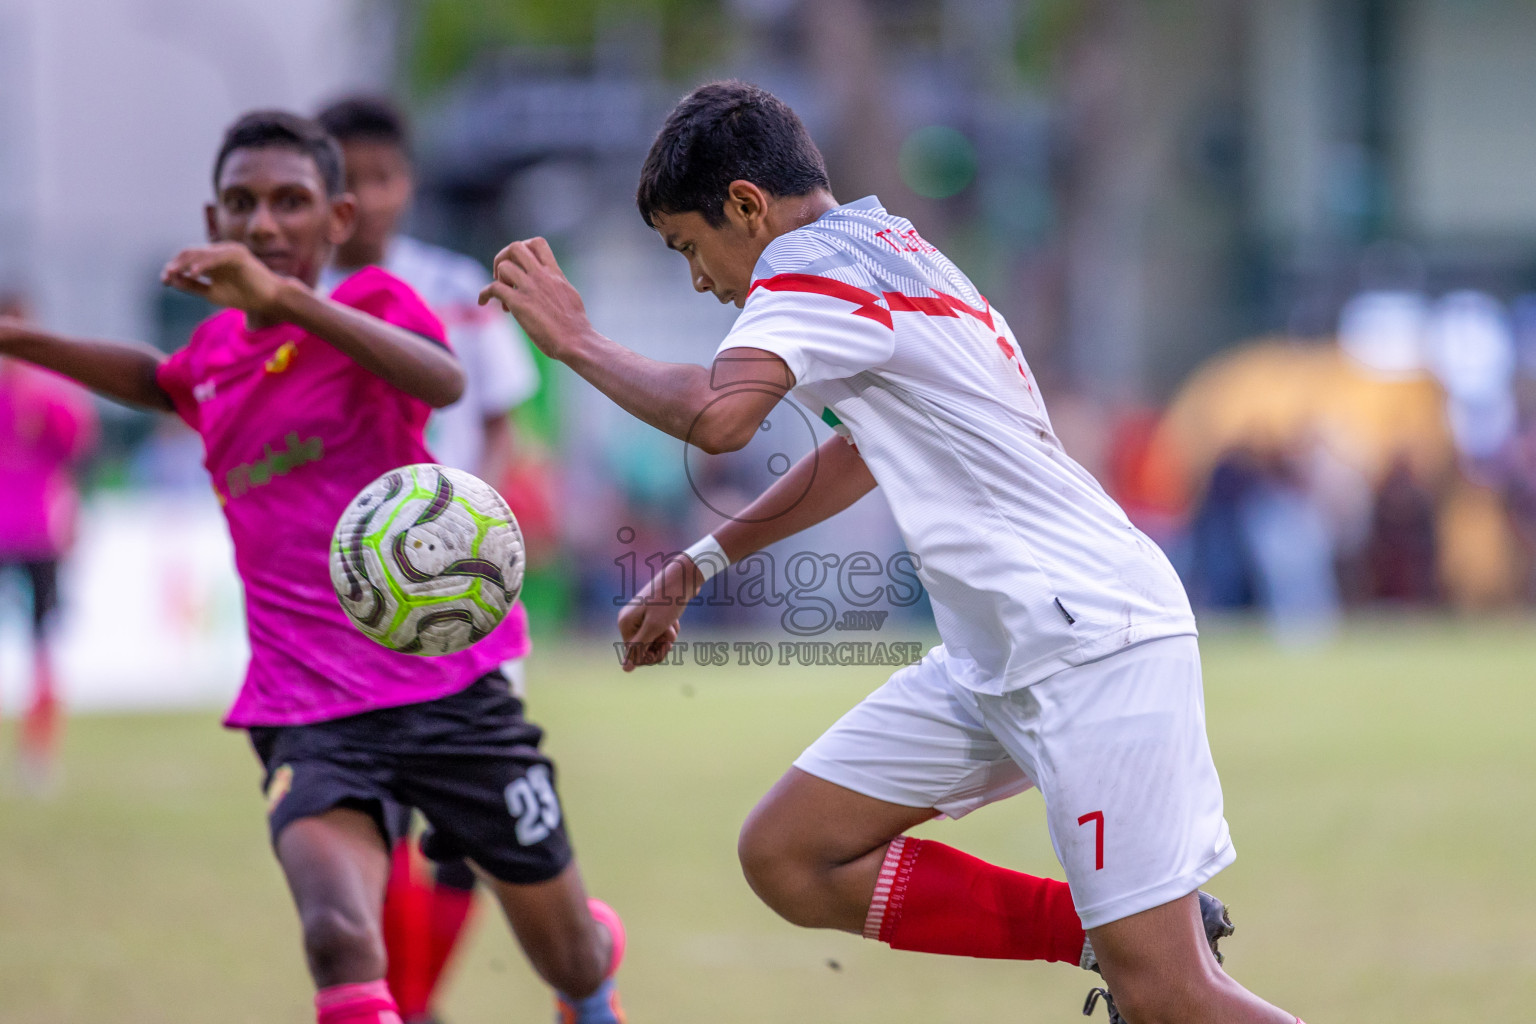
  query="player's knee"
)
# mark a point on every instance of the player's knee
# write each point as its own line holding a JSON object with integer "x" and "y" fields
{"x": 762, "y": 860}
{"x": 342, "y": 946}
{"x": 779, "y": 874}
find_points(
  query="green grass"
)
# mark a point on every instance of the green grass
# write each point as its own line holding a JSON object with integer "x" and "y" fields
{"x": 1382, "y": 793}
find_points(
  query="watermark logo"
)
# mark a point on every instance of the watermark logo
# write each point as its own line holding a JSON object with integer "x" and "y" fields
{"x": 818, "y": 591}
{"x": 784, "y": 438}
{"x": 808, "y": 654}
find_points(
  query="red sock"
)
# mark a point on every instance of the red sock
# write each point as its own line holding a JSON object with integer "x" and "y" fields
{"x": 932, "y": 898}
{"x": 366, "y": 1003}
{"x": 449, "y": 913}
{"x": 408, "y": 930}
{"x": 41, "y": 727}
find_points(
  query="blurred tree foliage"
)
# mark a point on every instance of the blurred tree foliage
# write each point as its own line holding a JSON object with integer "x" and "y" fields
{"x": 1044, "y": 30}
{"x": 444, "y": 37}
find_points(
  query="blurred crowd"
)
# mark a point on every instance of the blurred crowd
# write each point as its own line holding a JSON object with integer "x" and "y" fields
{"x": 1391, "y": 466}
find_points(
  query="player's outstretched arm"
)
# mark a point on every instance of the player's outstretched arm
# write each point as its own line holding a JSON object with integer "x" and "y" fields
{"x": 831, "y": 480}
{"x": 697, "y": 404}
{"x": 121, "y": 370}
{"x": 228, "y": 274}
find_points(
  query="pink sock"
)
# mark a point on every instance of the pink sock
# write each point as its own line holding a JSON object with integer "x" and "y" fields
{"x": 609, "y": 918}
{"x": 367, "y": 1002}
{"x": 931, "y": 898}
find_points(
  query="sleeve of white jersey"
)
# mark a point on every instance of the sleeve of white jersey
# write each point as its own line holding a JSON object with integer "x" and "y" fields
{"x": 507, "y": 376}
{"x": 820, "y": 337}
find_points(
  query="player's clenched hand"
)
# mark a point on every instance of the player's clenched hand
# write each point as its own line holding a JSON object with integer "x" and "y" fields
{"x": 648, "y": 623}
{"x": 226, "y": 274}
{"x": 530, "y": 285}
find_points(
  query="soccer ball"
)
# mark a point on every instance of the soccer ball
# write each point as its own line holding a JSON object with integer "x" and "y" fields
{"x": 427, "y": 559}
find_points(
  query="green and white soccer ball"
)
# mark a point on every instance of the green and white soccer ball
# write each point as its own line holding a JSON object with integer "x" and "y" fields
{"x": 427, "y": 559}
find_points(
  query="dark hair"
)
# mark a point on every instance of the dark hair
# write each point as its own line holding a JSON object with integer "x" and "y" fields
{"x": 367, "y": 119}
{"x": 720, "y": 133}
{"x": 262, "y": 129}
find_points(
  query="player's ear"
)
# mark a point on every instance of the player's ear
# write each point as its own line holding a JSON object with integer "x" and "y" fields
{"x": 343, "y": 218}
{"x": 746, "y": 205}
{"x": 211, "y": 221}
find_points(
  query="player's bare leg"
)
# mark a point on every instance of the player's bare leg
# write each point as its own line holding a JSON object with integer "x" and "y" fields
{"x": 42, "y": 726}
{"x": 573, "y": 942}
{"x": 336, "y": 865}
{"x": 824, "y": 856}
{"x": 811, "y": 875}
{"x": 1159, "y": 967}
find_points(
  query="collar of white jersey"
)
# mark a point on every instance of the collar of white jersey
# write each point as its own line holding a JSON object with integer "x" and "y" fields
{"x": 869, "y": 204}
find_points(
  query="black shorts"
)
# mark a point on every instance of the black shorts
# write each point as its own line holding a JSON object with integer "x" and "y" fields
{"x": 43, "y": 577}
{"x": 469, "y": 762}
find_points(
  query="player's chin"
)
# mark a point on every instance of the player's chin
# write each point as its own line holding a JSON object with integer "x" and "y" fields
{"x": 281, "y": 264}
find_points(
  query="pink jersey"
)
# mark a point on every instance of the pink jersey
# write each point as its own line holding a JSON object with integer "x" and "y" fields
{"x": 46, "y": 425}
{"x": 292, "y": 430}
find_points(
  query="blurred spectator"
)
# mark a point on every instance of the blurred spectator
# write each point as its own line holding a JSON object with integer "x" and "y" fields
{"x": 1471, "y": 349}
{"x": 1403, "y": 543}
{"x": 1479, "y": 559}
{"x": 1223, "y": 559}
{"x": 1292, "y": 550}
{"x": 1519, "y": 476}
{"x": 46, "y": 427}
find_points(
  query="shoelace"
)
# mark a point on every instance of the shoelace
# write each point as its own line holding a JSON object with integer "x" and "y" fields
{"x": 1094, "y": 995}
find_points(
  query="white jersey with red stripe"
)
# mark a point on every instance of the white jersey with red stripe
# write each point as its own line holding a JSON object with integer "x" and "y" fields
{"x": 1030, "y": 566}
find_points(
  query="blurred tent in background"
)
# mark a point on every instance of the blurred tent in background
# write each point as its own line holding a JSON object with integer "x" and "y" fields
{"x": 1276, "y": 394}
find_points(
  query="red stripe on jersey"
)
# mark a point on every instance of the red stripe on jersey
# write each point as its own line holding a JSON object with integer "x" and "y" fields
{"x": 937, "y": 304}
{"x": 928, "y": 305}
{"x": 868, "y": 302}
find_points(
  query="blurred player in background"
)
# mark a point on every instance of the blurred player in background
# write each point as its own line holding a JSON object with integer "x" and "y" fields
{"x": 301, "y": 400}
{"x": 47, "y": 425}
{"x": 1069, "y": 660}
{"x": 424, "y": 917}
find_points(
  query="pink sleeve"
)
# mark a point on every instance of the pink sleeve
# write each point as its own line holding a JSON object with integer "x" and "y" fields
{"x": 390, "y": 299}
{"x": 175, "y": 377}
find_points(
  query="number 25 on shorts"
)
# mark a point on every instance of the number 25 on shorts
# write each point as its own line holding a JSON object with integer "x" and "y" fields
{"x": 1097, "y": 817}
{"x": 532, "y": 801}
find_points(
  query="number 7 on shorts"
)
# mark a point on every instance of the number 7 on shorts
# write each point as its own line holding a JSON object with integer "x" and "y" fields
{"x": 1097, "y": 817}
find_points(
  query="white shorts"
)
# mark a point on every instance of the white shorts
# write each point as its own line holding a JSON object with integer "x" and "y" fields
{"x": 1117, "y": 748}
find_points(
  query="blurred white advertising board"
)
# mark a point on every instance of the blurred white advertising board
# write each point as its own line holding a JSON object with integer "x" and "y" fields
{"x": 150, "y": 610}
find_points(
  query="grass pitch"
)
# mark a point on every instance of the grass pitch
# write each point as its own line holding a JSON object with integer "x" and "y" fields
{"x": 1380, "y": 791}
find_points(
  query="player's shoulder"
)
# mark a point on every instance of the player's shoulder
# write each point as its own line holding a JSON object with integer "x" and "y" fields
{"x": 380, "y": 293}
{"x": 370, "y": 284}
{"x": 216, "y": 331}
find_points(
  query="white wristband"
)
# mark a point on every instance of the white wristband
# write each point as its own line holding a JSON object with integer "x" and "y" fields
{"x": 708, "y": 555}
